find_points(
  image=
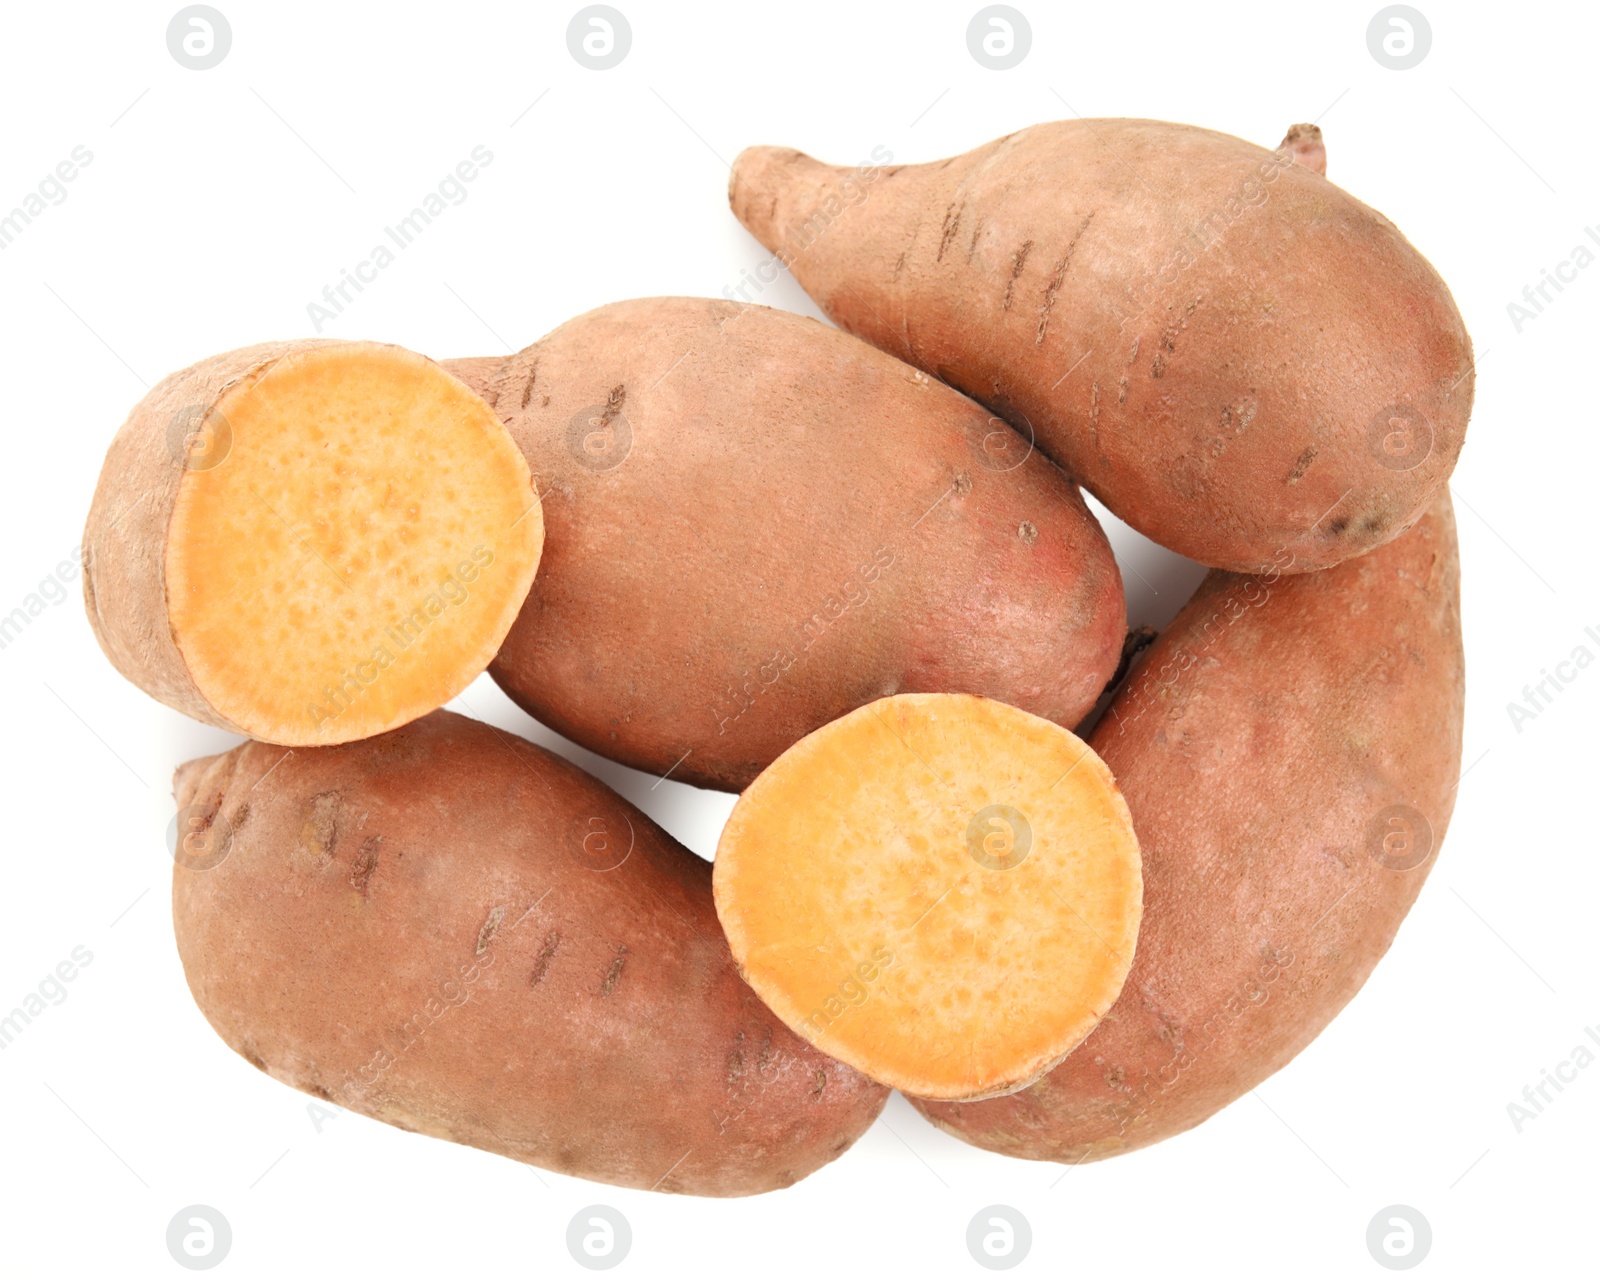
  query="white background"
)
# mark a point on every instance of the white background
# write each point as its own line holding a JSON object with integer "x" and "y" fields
{"x": 218, "y": 204}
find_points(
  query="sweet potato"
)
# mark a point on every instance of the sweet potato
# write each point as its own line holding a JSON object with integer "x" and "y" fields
{"x": 463, "y": 935}
{"x": 1289, "y": 749}
{"x": 758, "y": 523}
{"x": 941, "y": 890}
{"x": 1235, "y": 355}
{"x": 309, "y": 542}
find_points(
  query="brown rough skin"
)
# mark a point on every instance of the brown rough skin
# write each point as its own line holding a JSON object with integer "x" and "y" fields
{"x": 1232, "y": 353}
{"x": 756, "y": 523}
{"x": 444, "y": 927}
{"x": 1263, "y": 746}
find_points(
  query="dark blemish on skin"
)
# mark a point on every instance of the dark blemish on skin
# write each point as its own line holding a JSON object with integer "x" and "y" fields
{"x": 764, "y": 1059}
{"x": 1018, "y": 260}
{"x": 1301, "y": 465}
{"x": 252, "y": 1056}
{"x": 1122, "y": 390}
{"x": 321, "y": 826}
{"x": 1029, "y": 533}
{"x": 1158, "y": 366}
{"x": 1344, "y": 855}
{"x": 1133, "y": 353}
{"x": 1114, "y": 1078}
{"x": 490, "y": 928}
{"x": 899, "y": 265}
{"x": 614, "y": 972}
{"x": 365, "y": 865}
{"x": 541, "y": 964}
{"x": 972, "y": 245}
{"x": 491, "y": 386}
{"x": 533, "y": 375}
{"x": 240, "y": 816}
{"x": 819, "y": 1083}
{"x": 736, "y": 1061}
{"x": 1057, "y": 279}
{"x": 952, "y": 224}
{"x": 1338, "y": 525}
{"x": 320, "y": 1092}
{"x": 962, "y": 484}
{"x": 614, "y": 402}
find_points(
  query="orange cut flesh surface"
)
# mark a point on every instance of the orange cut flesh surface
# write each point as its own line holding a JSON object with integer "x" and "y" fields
{"x": 358, "y": 552}
{"x": 942, "y": 891}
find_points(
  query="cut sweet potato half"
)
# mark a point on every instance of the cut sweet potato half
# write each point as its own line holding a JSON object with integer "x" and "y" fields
{"x": 310, "y": 542}
{"x": 942, "y": 891}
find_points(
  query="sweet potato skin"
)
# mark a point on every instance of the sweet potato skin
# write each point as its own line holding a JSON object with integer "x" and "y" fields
{"x": 1232, "y": 353}
{"x": 445, "y": 928}
{"x": 125, "y": 537}
{"x": 776, "y": 524}
{"x": 1264, "y": 746}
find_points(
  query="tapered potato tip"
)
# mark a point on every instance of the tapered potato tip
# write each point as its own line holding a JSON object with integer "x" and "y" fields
{"x": 769, "y": 185}
{"x": 1304, "y": 142}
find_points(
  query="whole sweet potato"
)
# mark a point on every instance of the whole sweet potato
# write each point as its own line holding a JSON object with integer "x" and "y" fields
{"x": 757, "y": 523}
{"x": 1232, "y": 353}
{"x": 1289, "y": 749}
{"x": 460, "y": 934}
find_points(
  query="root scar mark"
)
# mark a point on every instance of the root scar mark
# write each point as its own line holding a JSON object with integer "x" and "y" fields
{"x": 490, "y": 928}
{"x": 1019, "y": 259}
{"x": 365, "y": 865}
{"x": 1057, "y": 279}
{"x": 952, "y": 225}
{"x": 541, "y": 964}
{"x": 614, "y": 972}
